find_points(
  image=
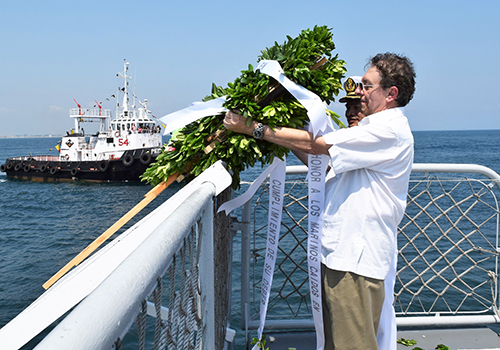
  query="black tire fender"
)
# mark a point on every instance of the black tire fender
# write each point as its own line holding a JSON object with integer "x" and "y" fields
{"x": 145, "y": 158}
{"x": 103, "y": 166}
{"x": 128, "y": 160}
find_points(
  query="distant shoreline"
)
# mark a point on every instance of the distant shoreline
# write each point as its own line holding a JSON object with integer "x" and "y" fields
{"x": 29, "y": 136}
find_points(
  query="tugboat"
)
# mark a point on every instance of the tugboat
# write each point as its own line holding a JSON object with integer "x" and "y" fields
{"x": 119, "y": 152}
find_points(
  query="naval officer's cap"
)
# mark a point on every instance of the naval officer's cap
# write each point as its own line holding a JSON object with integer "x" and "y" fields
{"x": 350, "y": 85}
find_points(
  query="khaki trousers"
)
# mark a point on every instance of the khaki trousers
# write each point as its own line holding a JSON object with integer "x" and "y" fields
{"x": 352, "y": 305}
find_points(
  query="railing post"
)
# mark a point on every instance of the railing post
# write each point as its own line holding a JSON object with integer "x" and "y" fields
{"x": 206, "y": 268}
{"x": 245, "y": 263}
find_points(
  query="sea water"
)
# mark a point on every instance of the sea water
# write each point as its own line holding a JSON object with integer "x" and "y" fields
{"x": 44, "y": 225}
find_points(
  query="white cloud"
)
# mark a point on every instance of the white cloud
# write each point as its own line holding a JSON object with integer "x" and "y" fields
{"x": 7, "y": 111}
{"x": 54, "y": 108}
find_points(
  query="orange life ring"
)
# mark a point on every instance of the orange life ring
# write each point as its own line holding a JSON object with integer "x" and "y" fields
{"x": 117, "y": 133}
{"x": 66, "y": 156}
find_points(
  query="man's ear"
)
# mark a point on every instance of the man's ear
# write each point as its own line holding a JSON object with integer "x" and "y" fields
{"x": 393, "y": 94}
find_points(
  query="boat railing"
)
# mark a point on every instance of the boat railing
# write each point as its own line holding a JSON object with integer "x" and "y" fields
{"x": 90, "y": 113}
{"x": 160, "y": 274}
{"x": 44, "y": 158}
{"x": 447, "y": 243}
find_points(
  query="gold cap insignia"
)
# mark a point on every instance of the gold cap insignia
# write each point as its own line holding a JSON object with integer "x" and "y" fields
{"x": 349, "y": 85}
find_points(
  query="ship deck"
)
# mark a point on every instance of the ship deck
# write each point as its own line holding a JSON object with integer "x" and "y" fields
{"x": 460, "y": 338}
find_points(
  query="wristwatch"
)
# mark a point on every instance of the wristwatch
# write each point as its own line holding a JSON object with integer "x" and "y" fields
{"x": 258, "y": 132}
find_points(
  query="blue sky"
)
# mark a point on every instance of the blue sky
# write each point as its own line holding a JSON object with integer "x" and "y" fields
{"x": 55, "y": 51}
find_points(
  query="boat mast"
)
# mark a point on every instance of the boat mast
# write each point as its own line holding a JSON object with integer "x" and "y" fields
{"x": 125, "y": 76}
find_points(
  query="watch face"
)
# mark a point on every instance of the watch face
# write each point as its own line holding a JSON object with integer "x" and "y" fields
{"x": 258, "y": 132}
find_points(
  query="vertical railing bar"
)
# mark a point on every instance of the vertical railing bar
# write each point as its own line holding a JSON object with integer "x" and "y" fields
{"x": 245, "y": 262}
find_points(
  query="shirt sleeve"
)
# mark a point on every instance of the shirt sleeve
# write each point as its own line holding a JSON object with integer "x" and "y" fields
{"x": 361, "y": 147}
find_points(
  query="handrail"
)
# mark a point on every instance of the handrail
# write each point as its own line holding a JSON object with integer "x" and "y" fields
{"x": 105, "y": 315}
{"x": 166, "y": 222}
{"x": 426, "y": 168}
{"x": 457, "y": 168}
{"x": 406, "y": 318}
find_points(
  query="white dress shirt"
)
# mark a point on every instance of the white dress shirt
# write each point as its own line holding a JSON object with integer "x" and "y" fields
{"x": 366, "y": 191}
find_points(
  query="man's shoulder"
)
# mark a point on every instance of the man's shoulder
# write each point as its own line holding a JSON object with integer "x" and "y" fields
{"x": 385, "y": 115}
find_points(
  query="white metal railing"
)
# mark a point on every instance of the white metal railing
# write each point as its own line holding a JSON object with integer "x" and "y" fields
{"x": 108, "y": 312}
{"x": 90, "y": 113}
{"x": 164, "y": 264}
{"x": 38, "y": 158}
{"x": 447, "y": 241}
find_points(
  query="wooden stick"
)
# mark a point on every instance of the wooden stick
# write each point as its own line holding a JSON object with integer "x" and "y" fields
{"x": 319, "y": 64}
{"x": 148, "y": 197}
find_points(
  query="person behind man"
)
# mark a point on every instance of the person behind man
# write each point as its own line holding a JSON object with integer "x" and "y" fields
{"x": 352, "y": 101}
{"x": 370, "y": 169}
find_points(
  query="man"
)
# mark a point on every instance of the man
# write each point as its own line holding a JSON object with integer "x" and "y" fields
{"x": 370, "y": 169}
{"x": 387, "y": 330}
{"x": 352, "y": 101}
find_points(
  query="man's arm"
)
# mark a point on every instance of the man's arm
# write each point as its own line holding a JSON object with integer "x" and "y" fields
{"x": 299, "y": 141}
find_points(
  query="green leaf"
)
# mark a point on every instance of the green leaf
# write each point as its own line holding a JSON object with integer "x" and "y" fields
{"x": 296, "y": 56}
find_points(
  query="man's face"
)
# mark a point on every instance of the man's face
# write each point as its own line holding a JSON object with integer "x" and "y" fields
{"x": 373, "y": 96}
{"x": 353, "y": 112}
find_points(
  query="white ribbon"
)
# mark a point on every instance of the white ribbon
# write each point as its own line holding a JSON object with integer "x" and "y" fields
{"x": 317, "y": 165}
{"x": 320, "y": 122}
{"x": 190, "y": 114}
{"x": 276, "y": 194}
{"x": 229, "y": 206}
{"x": 387, "y": 329}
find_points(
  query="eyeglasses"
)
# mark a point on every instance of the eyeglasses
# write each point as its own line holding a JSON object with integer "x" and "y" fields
{"x": 367, "y": 87}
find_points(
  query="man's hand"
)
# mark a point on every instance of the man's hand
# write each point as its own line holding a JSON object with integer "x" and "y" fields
{"x": 294, "y": 139}
{"x": 237, "y": 123}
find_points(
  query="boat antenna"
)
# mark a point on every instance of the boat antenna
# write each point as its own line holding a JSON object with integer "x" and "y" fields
{"x": 135, "y": 77}
{"x": 125, "y": 76}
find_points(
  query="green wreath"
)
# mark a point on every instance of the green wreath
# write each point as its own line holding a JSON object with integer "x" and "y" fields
{"x": 306, "y": 60}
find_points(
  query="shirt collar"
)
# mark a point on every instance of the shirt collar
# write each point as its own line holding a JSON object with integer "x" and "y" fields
{"x": 383, "y": 116}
